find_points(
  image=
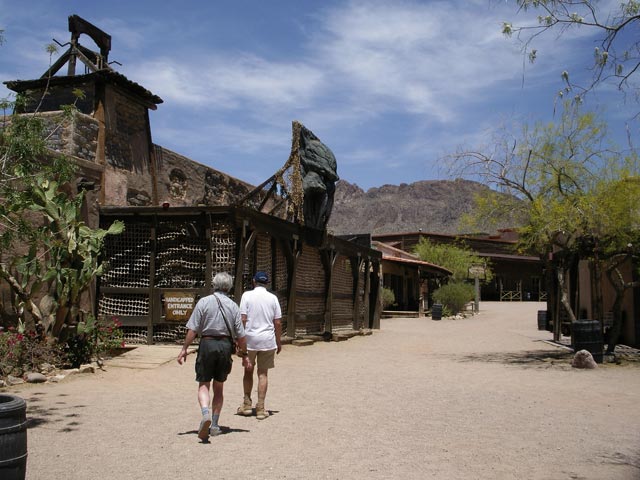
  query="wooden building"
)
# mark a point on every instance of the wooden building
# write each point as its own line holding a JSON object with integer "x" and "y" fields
{"x": 590, "y": 300}
{"x": 186, "y": 221}
{"x": 166, "y": 259}
{"x": 517, "y": 277}
{"x": 410, "y": 279}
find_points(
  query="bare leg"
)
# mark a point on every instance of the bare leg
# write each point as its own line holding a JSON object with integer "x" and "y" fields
{"x": 218, "y": 397}
{"x": 203, "y": 394}
{"x": 203, "y": 399}
{"x": 216, "y": 407}
{"x": 263, "y": 383}
{"x": 261, "y": 413}
{"x": 247, "y": 381}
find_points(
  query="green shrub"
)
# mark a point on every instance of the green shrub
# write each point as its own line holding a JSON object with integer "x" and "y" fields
{"x": 388, "y": 297}
{"x": 454, "y": 296}
{"x": 23, "y": 351}
{"x": 93, "y": 338}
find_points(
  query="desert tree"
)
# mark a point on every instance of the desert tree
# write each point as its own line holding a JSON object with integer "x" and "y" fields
{"x": 456, "y": 258}
{"x": 559, "y": 177}
{"x": 616, "y": 55}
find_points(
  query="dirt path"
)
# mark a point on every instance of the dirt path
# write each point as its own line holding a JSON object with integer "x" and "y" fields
{"x": 479, "y": 398}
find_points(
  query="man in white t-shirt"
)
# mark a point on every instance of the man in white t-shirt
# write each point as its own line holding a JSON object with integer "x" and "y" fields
{"x": 261, "y": 316}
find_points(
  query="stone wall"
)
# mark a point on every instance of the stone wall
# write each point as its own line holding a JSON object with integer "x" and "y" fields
{"x": 75, "y": 135}
{"x": 127, "y": 134}
{"x": 129, "y": 179}
{"x": 183, "y": 182}
{"x": 180, "y": 180}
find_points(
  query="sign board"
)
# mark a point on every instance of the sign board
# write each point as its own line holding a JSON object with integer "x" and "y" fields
{"x": 178, "y": 305}
{"x": 476, "y": 271}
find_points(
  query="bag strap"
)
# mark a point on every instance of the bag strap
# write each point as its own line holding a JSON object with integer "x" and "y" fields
{"x": 226, "y": 322}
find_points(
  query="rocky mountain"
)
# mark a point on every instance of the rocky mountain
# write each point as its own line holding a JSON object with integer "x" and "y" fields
{"x": 434, "y": 206}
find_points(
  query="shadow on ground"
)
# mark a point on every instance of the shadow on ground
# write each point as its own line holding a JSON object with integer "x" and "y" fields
{"x": 62, "y": 414}
{"x": 546, "y": 359}
{"x": 531, "y": 358}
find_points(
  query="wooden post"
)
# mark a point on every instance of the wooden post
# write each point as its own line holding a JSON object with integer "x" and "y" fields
{"x": 293, "y": 282}
{"x": 377, "y": 312}
{"x": 153, "y": 297}
{"x": 329, "y": 258}
{"x": 520, "y": 290}
{"x": 356, "y": 291}
{"x": 419, "y": 288}
{"x": 208, "y": 269}
{"x": 367, "y": 291}
{"x": 240, "y": 261}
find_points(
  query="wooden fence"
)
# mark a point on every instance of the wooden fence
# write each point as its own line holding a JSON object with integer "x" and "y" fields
{"x": 166, "y": 259}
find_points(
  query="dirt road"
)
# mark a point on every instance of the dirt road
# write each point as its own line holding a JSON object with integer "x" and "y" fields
{"x": 479, "y": 398}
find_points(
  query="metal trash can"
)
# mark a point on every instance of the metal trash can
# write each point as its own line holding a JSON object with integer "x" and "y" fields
{"x": 13, "y": 437}
{"x": 436, "y": 311}
{"x": 587, "y": 335}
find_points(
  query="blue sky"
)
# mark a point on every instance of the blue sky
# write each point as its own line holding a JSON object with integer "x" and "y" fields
{"x": 390, "y": 86}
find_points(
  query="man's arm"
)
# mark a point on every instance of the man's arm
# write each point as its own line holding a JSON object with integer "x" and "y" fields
{"x": 242, "y": 351}
{"x": 191, "y": 336}
{"x": 277, "y": 324}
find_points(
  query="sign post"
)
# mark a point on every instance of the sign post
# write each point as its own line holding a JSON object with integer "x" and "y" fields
{"x": 476, "y": 271}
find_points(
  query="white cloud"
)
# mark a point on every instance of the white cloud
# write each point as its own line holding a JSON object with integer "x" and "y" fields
{"x": 245, "y": 82}
{"x": 362, "y": 156}
{"x": 422, "y": 58}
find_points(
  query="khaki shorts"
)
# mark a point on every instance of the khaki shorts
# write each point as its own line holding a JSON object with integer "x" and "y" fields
{"x": 266, "y": 359}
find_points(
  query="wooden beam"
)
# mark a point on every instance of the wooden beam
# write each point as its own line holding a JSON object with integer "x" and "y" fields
{"x": 58, "y": 64}
{"x": 356, "y": 265}
{"x": 329, "y": 261}
{"x": 292, "y": 268}
{"x": 208, "y": 269}
{"x": 377, "y": 311}
{"x": 367, "y": 291}
{"x": 241, "y": 253}
{"x": 153, "y": 298}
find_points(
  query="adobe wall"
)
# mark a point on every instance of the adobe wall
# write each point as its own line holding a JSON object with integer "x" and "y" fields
{"x": 184, "y": 182}
{"x": 128, "y": 169}
{"x": 129, "y": 178}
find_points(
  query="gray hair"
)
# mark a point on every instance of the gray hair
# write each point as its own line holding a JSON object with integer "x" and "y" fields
{"x": 222, "y": 282}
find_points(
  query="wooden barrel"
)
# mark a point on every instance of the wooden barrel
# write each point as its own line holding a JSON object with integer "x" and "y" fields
{"x": 542, "y": 320}
{"x": 587, "y": 335}
{"x": 13, "y": 437}
{"x": 436, "y": 311}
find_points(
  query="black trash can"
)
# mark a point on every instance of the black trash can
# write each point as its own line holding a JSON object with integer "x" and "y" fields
{"x": 436, "y": 311}
{"x": 13, "y": 437}
{"x": 542, "y": 320}
{"x": 587, "y": 335}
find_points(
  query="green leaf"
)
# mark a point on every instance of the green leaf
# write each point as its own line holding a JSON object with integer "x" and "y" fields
{"x": 116, "y": 228}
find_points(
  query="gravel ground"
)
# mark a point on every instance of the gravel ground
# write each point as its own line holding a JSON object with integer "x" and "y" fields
{"x": 479, "y": 398}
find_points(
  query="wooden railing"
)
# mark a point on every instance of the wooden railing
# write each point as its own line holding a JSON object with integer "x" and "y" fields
{"x": 511, "y": 295}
